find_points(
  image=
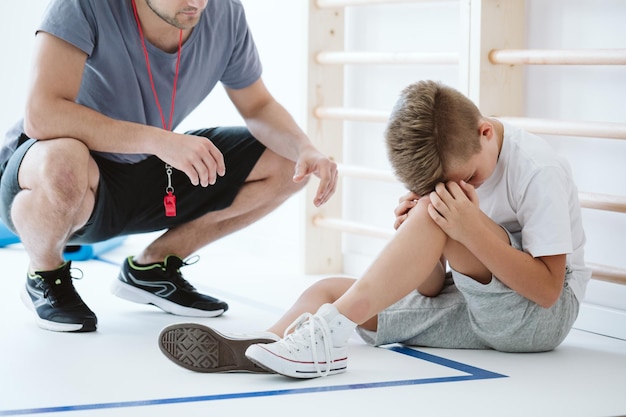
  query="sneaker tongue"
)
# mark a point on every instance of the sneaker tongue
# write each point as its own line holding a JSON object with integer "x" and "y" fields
{"x": 341, "y": 327}
{"x": 173, "y": 262}
{"x": 60, "y": 290}
{"x": 54, "y": 277}
{"x": 328, "y": 312}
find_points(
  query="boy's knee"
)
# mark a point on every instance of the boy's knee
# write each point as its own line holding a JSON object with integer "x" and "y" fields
{"x": 331, "y": 288}
{"x": 422, "y": 205}
{"x": 421, "y": 209}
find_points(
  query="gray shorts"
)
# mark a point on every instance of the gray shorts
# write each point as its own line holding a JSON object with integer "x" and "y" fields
{"x": 470, "y": 315}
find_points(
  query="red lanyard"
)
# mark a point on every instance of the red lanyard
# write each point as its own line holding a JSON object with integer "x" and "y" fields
{"x": 169, "y": 201}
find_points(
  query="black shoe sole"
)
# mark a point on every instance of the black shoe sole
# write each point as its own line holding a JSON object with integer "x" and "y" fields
{"x": 138, "y": 295}
{"x": 202, "y": 349}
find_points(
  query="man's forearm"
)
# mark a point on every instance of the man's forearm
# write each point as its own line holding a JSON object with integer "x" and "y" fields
{"x": 65, "y": 119}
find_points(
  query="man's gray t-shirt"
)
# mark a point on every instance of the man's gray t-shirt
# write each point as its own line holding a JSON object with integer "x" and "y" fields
{"x": 116, "y": 82}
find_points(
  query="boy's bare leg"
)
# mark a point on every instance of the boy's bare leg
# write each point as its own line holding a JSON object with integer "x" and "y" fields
{"x": 463, "y": 261}
{"x": 433, "y": 285}
{"x": 407, "y": 262}
{"x": 324, "y": 291}
{"x": 397, "y": 260}
{"x": 411, "y": 260}
{"x": 402, "y": 267}
{"x": 404, "y": 264}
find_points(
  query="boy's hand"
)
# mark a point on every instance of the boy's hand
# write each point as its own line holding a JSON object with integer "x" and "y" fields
{"x": 454, "y": 207}
{"x": 406, "y": 203}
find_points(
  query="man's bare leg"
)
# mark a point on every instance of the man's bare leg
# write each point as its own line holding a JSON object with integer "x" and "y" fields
{"x": 58, "y": 179}
{"x": 268, "y": 186}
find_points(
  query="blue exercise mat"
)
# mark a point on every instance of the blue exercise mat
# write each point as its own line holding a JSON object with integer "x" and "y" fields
{"x": 71, "y": 252}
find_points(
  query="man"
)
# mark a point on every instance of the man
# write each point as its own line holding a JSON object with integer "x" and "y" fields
{"x": 95, "y": 156}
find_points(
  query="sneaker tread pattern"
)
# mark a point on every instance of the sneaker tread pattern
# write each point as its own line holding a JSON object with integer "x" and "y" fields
{"x": 202, "y": 349}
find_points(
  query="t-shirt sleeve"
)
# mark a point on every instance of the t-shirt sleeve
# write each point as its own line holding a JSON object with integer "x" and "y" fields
{"x": 544, "y": 214}
{"x": 244, "y": 66}
{"x": 71, "y": 20}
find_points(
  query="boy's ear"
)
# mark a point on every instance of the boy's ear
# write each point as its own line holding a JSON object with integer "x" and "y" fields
{"x": 485, "y": 128}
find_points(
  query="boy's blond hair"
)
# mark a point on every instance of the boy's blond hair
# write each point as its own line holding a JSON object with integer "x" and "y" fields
{"x": 432, "y": 127}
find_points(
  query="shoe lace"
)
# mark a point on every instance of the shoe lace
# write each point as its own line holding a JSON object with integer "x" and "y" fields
{"x": 307, "y": 327}
{"x": 172, "y": 270}
{"x": 61, "y": 291}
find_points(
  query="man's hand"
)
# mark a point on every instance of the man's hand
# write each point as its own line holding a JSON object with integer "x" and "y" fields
{"x": 454, "y": 207}
{"x": 196, "y": 156}
{"x": 312, "y": 161}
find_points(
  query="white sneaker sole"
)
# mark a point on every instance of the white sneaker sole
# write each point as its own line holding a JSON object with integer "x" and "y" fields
{"x": 136, "y": 295}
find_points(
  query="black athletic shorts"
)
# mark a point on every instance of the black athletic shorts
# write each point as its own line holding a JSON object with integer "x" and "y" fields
{"x": 129, "y": 199}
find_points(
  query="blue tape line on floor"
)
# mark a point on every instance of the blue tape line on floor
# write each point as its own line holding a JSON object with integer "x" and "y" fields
{"x": 472, "y": 372}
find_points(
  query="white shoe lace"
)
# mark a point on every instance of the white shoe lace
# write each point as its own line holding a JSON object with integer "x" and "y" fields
{"x": 299, "y": 339}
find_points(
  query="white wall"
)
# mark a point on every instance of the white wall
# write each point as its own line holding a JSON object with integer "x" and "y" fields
{"x": 18, "y": 35}
{"x": 279, "y": 27}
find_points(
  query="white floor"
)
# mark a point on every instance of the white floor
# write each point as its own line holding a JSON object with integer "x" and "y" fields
{"x": 119, "y": 370}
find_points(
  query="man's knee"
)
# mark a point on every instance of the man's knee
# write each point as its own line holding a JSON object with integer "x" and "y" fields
{"x": 59, "y": 167}
{"x": 279, "y": 171}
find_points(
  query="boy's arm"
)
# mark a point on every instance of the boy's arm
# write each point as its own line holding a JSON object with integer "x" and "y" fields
{"x": 455, "y": 209}
{"x": 539, "y": 279}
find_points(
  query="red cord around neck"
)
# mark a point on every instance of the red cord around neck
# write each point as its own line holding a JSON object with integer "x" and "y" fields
{"x": 154, "y": 92}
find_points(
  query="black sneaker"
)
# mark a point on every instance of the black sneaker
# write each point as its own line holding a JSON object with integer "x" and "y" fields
{"x": 59, "y": 308}
{"x": 202, "y": 349}
{"x": 162, "y": 285}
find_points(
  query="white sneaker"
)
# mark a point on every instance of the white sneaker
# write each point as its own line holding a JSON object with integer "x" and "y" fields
{"x": 202, "y": 349}
{"x": 317, "y": 346}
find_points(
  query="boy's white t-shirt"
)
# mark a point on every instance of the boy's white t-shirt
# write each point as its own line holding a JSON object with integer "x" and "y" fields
{"x": 532, "y": 193}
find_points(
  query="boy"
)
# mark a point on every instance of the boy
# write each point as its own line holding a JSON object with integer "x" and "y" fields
{"x": 493, "y": 202}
